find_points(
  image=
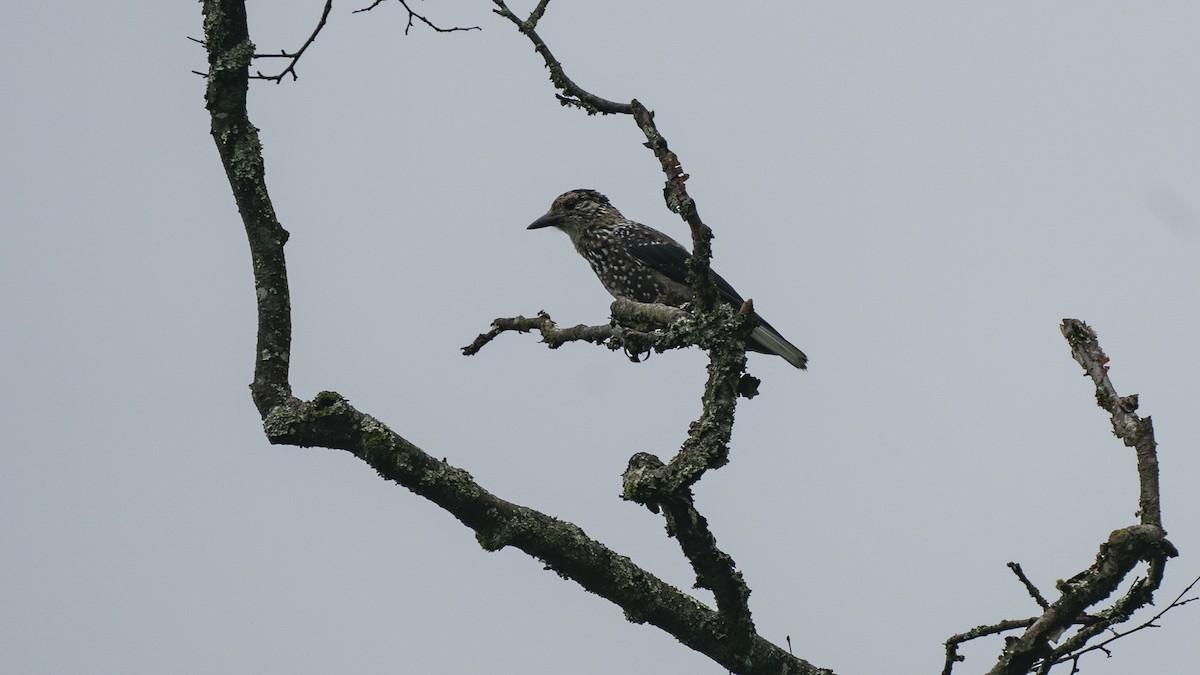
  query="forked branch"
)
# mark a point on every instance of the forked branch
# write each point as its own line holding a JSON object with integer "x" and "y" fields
{"x": 294, "y": 57}
{"x": 630, "y": 329}
{"x": 413, "y": 16}
{"x": 1037, "y": 648}
{"x": 720, "y": 330}
{"x": 674, "y": 192}
{"x": 330, "y": 421}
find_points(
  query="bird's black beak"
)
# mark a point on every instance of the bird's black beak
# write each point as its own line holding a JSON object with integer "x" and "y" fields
{"x": 548, "y": 220}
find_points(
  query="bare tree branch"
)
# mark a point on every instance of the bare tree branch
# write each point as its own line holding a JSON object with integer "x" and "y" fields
{"x": 629, "y": 330}
{"x": 1152, "y": 622}
{"x": 330, "y": 421}
{"x": 290, "y": 69}
{"x": 573, "y": 94}
{"x": 952, "y": 643}
{"x": 718, "y": 329}
{"x": 294, "y": 57}
{"x": 1033, "y": 591}
{"x": 707, "y": 446}
{"x": 552, "y": 335}
{"x": 675, "y": 192}
{"x": 678, "y": 200}
{"x": 715, "y": 570}
{"x": 1125, "y": 548}
{"x": 1134, "y": 431}
{"x": 413, "y": 15}
{"x": 727, "y": 635}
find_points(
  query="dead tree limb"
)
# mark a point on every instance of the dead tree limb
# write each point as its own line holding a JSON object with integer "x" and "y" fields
{"x": 328, "y": 420}
{"x": 1037, "y": 649}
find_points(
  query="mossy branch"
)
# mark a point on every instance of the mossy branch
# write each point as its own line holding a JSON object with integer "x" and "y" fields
{"x": 330, "y": 421}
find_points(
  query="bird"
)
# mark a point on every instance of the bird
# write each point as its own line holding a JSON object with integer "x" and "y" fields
{"x": 637, "y": 262}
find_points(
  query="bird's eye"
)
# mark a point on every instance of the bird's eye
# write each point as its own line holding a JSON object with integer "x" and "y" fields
{"x": 572, "y": 205}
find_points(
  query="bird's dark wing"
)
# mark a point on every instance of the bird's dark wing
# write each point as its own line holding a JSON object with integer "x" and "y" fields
{"x": 671, "y": 260}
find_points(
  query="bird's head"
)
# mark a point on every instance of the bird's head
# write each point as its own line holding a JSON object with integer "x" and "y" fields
{"x": 576, "y": 210}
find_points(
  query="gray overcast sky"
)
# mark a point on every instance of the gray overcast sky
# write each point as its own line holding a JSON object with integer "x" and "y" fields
{"x": 915, "y": 193}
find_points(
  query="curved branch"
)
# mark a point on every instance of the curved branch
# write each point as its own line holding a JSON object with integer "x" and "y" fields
{"x": 1125, "y": 548}
{"x": 1134, "y": 431}
{"x": 329, "y": 421}
{"x": 675, "y": 192}
{"x": 572, "y": 94}
{"x": 715, "y": 569}
{"x": 708, "y": 444}
{"x": 720, "y": 330}
{"x": 230, "y": 50}
{"x": 1116, "y": 559}
{"x": 678, "y": 200}
{"x": 294, "y": 56}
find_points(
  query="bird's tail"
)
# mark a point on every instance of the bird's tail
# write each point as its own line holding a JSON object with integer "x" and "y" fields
{"x": 765, "y": 339}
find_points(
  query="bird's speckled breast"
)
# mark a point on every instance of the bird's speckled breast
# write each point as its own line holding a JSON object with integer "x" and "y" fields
{"x": 607, "y": 250}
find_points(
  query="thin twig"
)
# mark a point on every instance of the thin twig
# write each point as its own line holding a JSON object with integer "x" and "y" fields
{"x": 294, "y": 56}
{"x": 573, "y": 94}
{"x": 413, "y": 15}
